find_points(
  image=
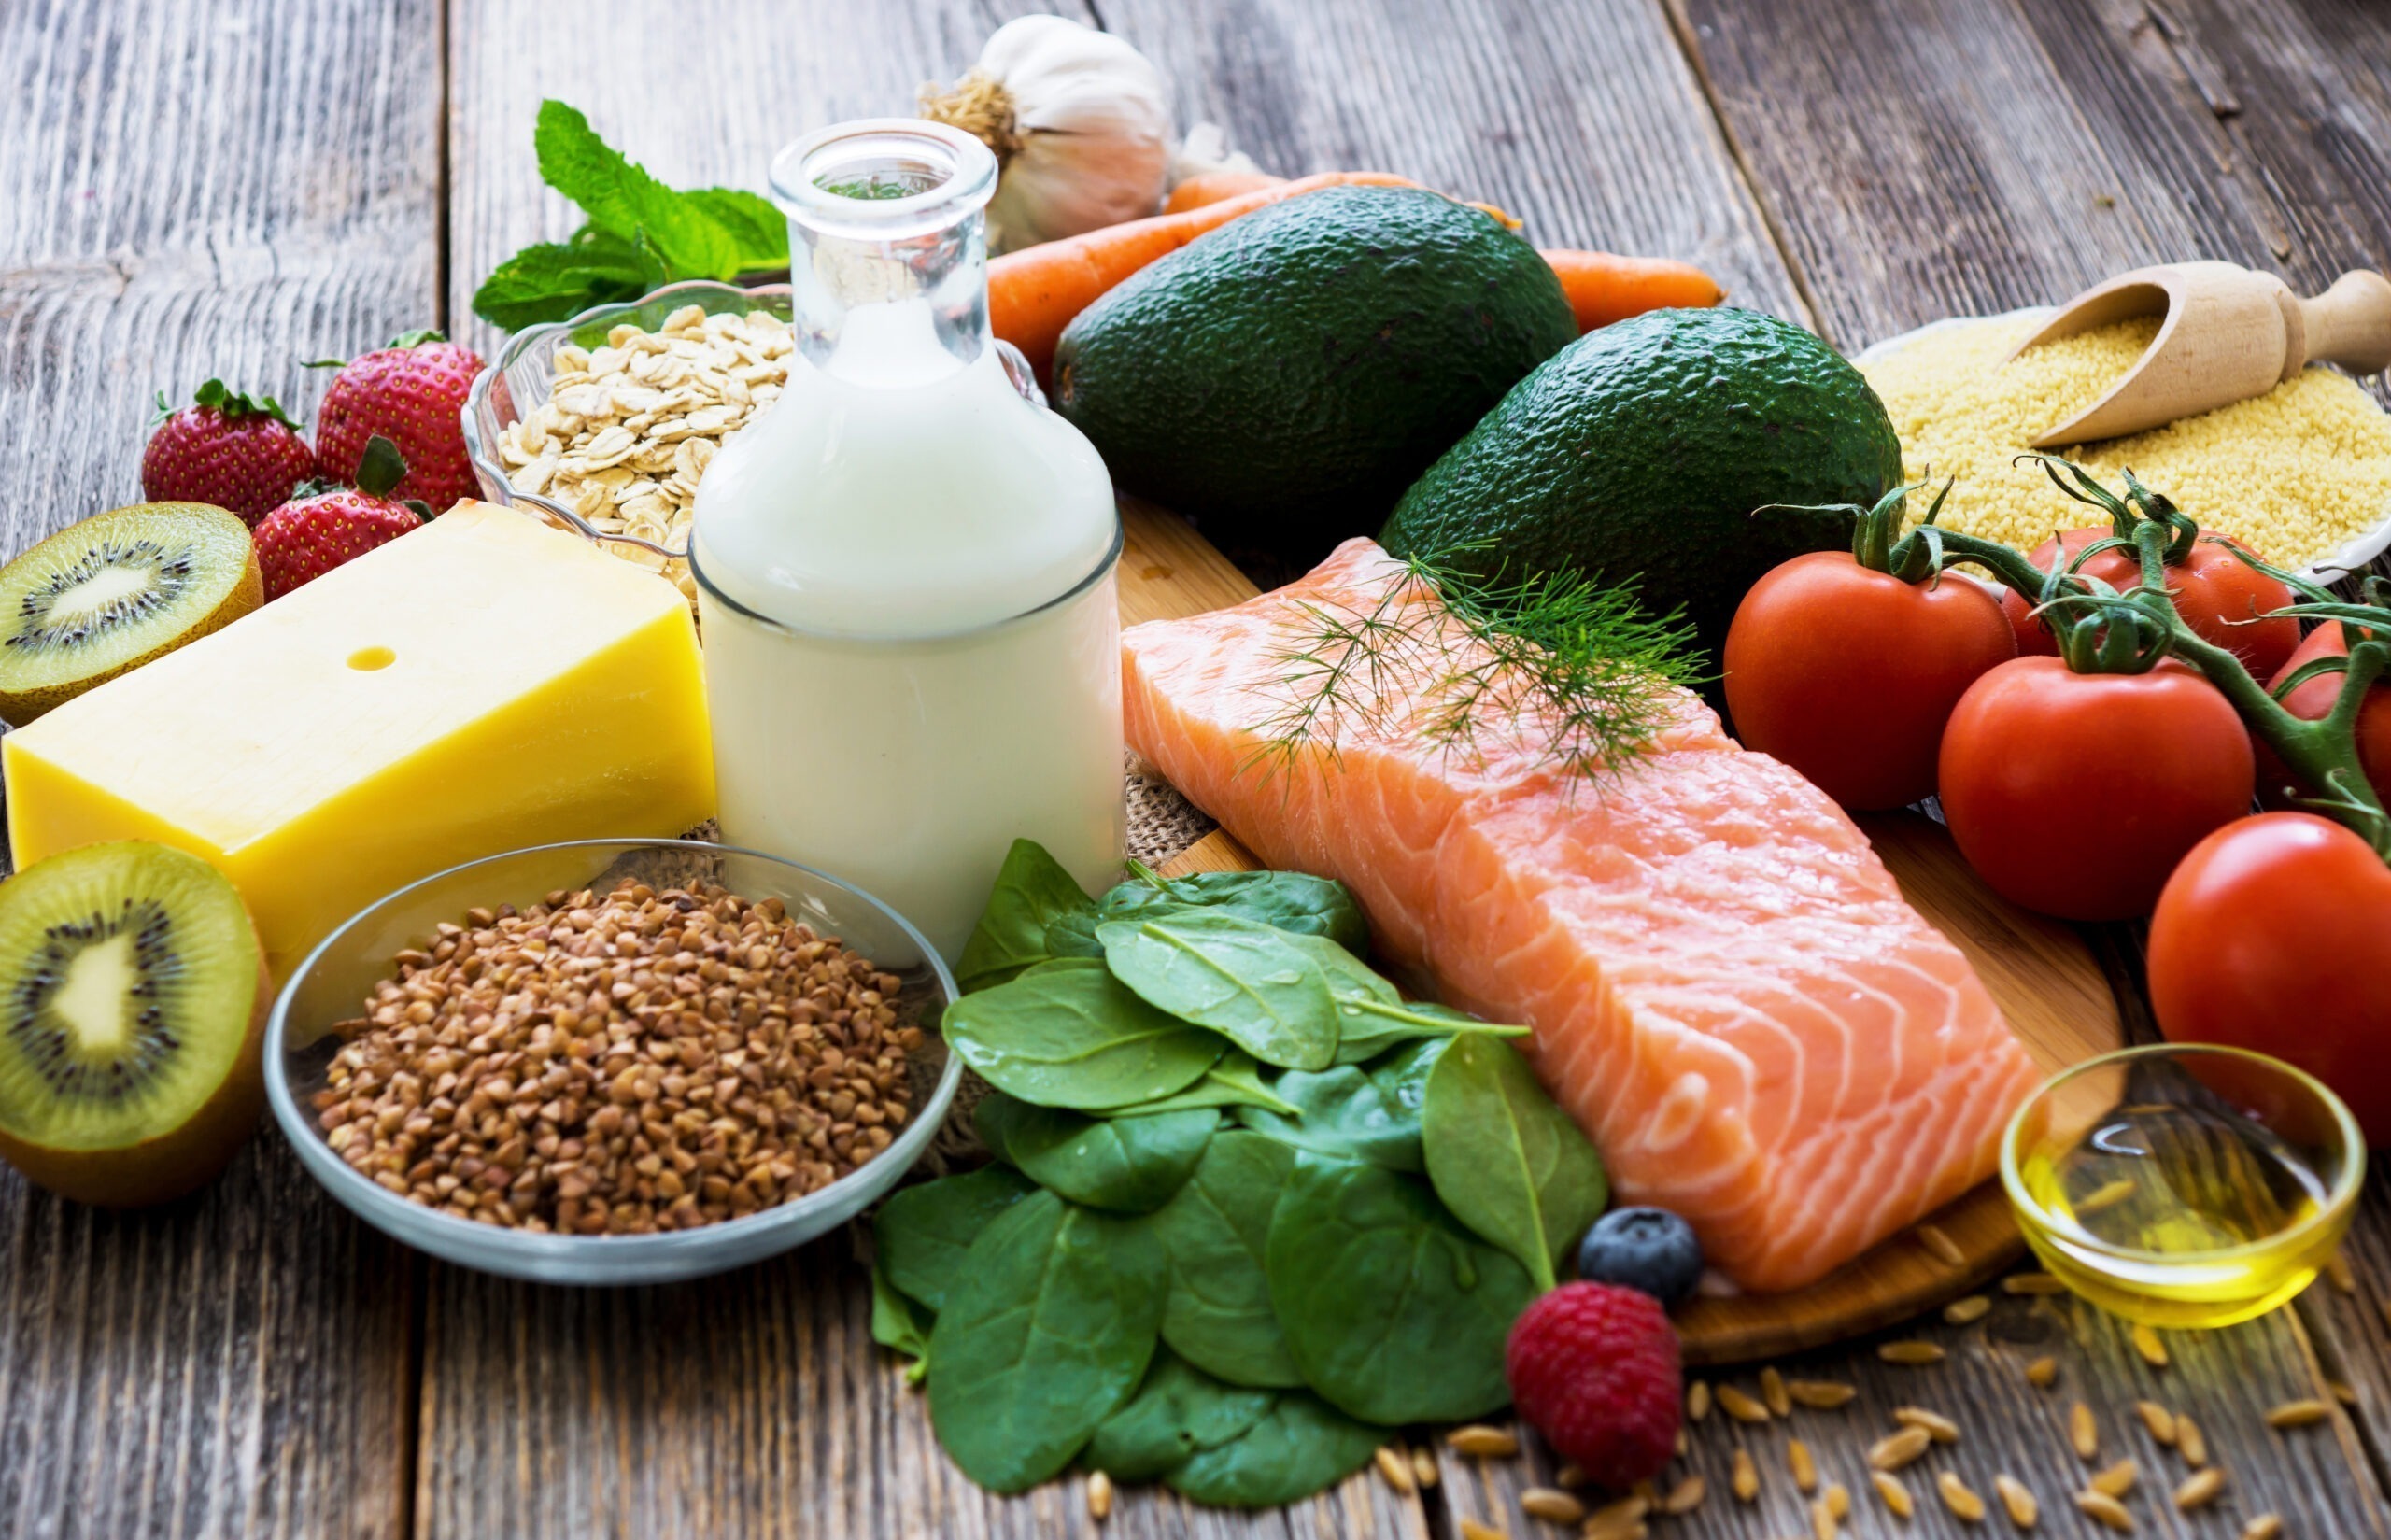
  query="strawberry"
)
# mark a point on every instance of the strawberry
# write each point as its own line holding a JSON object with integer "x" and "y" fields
{"x": 238, "y": 452}
{"x": 413, "y": 393}
{"x": 327, "y": 524}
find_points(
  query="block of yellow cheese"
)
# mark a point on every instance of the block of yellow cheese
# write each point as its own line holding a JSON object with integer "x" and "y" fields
{"x": 481, "y": 683}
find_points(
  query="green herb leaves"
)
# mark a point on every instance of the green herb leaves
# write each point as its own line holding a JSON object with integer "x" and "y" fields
{"x": 1239, "y": 976}
{"x": 1509, "y": 1163}
{"x": 1393, "y": 1312}
{"x": 640, "y": 233}
{"x": 1313, "y": 1207}
{"x": 1076, "y": 1037}
{"x": 1049, "y": 1330}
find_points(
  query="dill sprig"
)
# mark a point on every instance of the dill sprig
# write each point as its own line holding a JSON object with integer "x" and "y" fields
{"x": 1456, "y": 655}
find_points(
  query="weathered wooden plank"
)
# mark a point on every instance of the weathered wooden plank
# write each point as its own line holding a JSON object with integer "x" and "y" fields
{"x": 195, "y": 190}
{"x": 1583, "y": 120}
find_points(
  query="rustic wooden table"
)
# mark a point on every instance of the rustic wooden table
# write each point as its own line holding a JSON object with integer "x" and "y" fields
{"x": 230, "y": 188}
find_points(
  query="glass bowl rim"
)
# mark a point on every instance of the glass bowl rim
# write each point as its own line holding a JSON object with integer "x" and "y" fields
{"x": 2340, "y": 1200}
{"x": 369, "y": 1198}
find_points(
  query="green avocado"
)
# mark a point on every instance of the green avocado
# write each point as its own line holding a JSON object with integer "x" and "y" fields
{"x": 1283, "y": 378}
{"x": 1640, "y": 453}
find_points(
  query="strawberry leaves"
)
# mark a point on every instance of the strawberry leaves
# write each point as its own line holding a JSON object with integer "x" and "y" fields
{"x": 641, "y": 232}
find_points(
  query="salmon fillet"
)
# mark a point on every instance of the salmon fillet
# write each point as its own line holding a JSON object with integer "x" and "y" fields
{"x": 1727, "y": 990}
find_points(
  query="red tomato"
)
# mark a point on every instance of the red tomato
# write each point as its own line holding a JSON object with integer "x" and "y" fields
{"x": 2272, "y": 935}
{"x": 2315, "y": 699}
{"x": 2210, "y": 587}
{"x": 2075, "y": 794}
{"x": 1848, "y": 674}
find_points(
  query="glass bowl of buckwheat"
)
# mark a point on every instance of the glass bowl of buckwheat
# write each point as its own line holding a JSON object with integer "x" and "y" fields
{"x": 606, "y": 422}
{"x": 612, "y": 1062}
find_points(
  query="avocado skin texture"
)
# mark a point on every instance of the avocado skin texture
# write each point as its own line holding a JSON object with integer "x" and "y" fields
{"x": 1638, "y": 454}
{"x": 1284, "y": 378}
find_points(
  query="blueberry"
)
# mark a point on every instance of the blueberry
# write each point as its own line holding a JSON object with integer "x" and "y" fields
{"x": 1647, "y": 1249}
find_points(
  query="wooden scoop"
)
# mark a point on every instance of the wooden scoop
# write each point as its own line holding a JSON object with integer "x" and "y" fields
{"x": 2230, "y": 334}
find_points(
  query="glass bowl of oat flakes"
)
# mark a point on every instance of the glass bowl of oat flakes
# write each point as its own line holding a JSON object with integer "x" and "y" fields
{"x": 612, "y": 1062}
{"x": 606, "y": 422}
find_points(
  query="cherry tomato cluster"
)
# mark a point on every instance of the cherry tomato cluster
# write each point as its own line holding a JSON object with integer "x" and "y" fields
{"x": 2097, "y": 731}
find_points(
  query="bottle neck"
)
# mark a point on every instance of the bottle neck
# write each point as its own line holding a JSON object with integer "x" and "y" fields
{"x": 888, "y": 248}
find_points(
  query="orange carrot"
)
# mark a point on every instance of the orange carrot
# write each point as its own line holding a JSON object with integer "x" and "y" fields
{"x": 1602, "y": 288}
{"x": 1210, "y": 187}
{"x": 1034, "y": 293}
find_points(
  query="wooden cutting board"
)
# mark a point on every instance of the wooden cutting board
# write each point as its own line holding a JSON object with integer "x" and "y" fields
{"x": 2040, "y": 971}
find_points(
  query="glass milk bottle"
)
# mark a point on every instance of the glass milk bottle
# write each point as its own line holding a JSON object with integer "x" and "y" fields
{"x": 906, "y": 567}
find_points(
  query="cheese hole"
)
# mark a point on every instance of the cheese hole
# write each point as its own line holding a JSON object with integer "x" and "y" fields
{"x": 367, "y": 659}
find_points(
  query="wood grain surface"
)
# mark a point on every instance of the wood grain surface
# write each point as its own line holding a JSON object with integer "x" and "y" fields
{"x": 194, "y": 190}
{"x": 231, "y": 188}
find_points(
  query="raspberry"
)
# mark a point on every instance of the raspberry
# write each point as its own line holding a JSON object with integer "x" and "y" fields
{"x": 1596, "y": 1367}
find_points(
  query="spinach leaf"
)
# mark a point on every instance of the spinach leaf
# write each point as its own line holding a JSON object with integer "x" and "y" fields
{"x": 1032, "y": 891}
{"x": 1288, "y": 900}
{"x": 1302, "y": 1446}
{"x": 900, "y": 1324}
{"x": 1237, "y": 977}
{"x": 1049, "y": 1328}
{"x": 1392, "y": 1311}
{"x": 1072, "y": 1034}
{"x": 922, "y": 1231}
{"x": 1177, "y": 1411}
{"x": 1129, "y": 1165}
{"x": 1073, "y": 935}
{"x": 1403, "y": 1073}
{"x": 1342, "y": 1112}
{"x": 1214, "y": 1234}
{"x": 1235, "y": 1081}
{"x": 1508, "y": 1163}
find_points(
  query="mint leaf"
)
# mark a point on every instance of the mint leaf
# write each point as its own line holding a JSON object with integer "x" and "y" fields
{"x": 555, "y": 282}
{"x": 623, "y": 200}
{"x": 759, "y": 228}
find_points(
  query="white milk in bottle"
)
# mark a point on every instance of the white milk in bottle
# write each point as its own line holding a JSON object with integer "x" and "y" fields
{"x": 905, "y": 566}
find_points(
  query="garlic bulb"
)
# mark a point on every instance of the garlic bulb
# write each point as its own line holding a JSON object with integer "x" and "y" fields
{"x": 1080, "y": 121}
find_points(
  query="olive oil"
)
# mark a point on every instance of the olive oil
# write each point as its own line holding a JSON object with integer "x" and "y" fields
{"x": 2179, "y": 1210}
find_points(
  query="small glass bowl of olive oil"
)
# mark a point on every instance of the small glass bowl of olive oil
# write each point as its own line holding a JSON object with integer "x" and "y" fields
{"x": 2183, "y": 1184}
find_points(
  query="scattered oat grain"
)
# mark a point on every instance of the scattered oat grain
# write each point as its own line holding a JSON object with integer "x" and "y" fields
{"x": 1396, "y": 1468}
{"x": 1821, "y": 1394}
{"x": 1960, "y": 1497}
{"x": 1804, "y": 1467}
{"x": 2190, "y": 1442}
{"x": 1685, "y": 1496}
{"x": 1697, "y": 1399}
{"x": 1893, "y": 1493}
{"x": 2042, "y": 1372}
{"x": 2146, "y": 1343}
{"x": 2298, "y": 1414}
{"x": 2118, "y": 1479}
{"x": 2101, "y": 1508}
{"x": 1483, "y": 1442}
{"x": 1822, "y": 1520}
{"x": 2159, "y": 1419}
{"x": 2200, "y": 1488}
{"x": 1838, "y": 1501}
{"x": 1099, "y": 1496}
{"x": 2016, "y": 1501}
{"x": 2266, "y": 1526}
{"x": 1552, "y": 1505}
{"x": 1740, "y": 1406}
{"x": 1746, "y": 1477}
{"x": 1938, "y": 1427}
{"x": 1774, "y": 1393}
{"x": 2083, "y": 1433}
{"x": 1962, "y": 1313}
{"x": 1897, "y": 1449}
{"x": 1911, "y": 1352}
{"x": 1423, "y": 1467}
{"x": 1938, "y": 1241}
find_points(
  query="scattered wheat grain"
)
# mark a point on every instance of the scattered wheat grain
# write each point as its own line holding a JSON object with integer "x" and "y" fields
{"x": 2159, "y": 1419}
{"x": 1911, "y": 1352}
{"x": 2200, "y": 1488}
{"x": 1821, "y": 1394}
{"x": 2190, "y": 1442}
{"x": 1962, "y": 1313}
{"x": 2118, "y": 1479}
{"x": 2016, "y": 1501}
{"x": 1940, "y": 1428}
{"x": 2146, "y": 1343}
{"x": 1893, "y": 1493}
{"x": 1483, "y": 1442}
{"x": 1897, "y": 1449}
{"x": 2298, "y": 1414}
{"x": 2266, "y": 1526}
{"x": 2083, "y": 1433}
{"x": 1685, "y": 1496}
{"x": 1099, "y": 1496}
{"x": 1774, "y": 1393}
{"x": 1396, "y": 1468}
{"x": 1960, "y": 1497}
{"x": 1746, "y": 1480}
{"x": 2101, "y": 1508}
{"x": 2042, "y": 1372}
{"x": 1552, "y": 1505}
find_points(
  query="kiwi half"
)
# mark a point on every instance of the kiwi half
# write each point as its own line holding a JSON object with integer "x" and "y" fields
{"x": 132, "y": 1000}
{"x": 111, "y": 593}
